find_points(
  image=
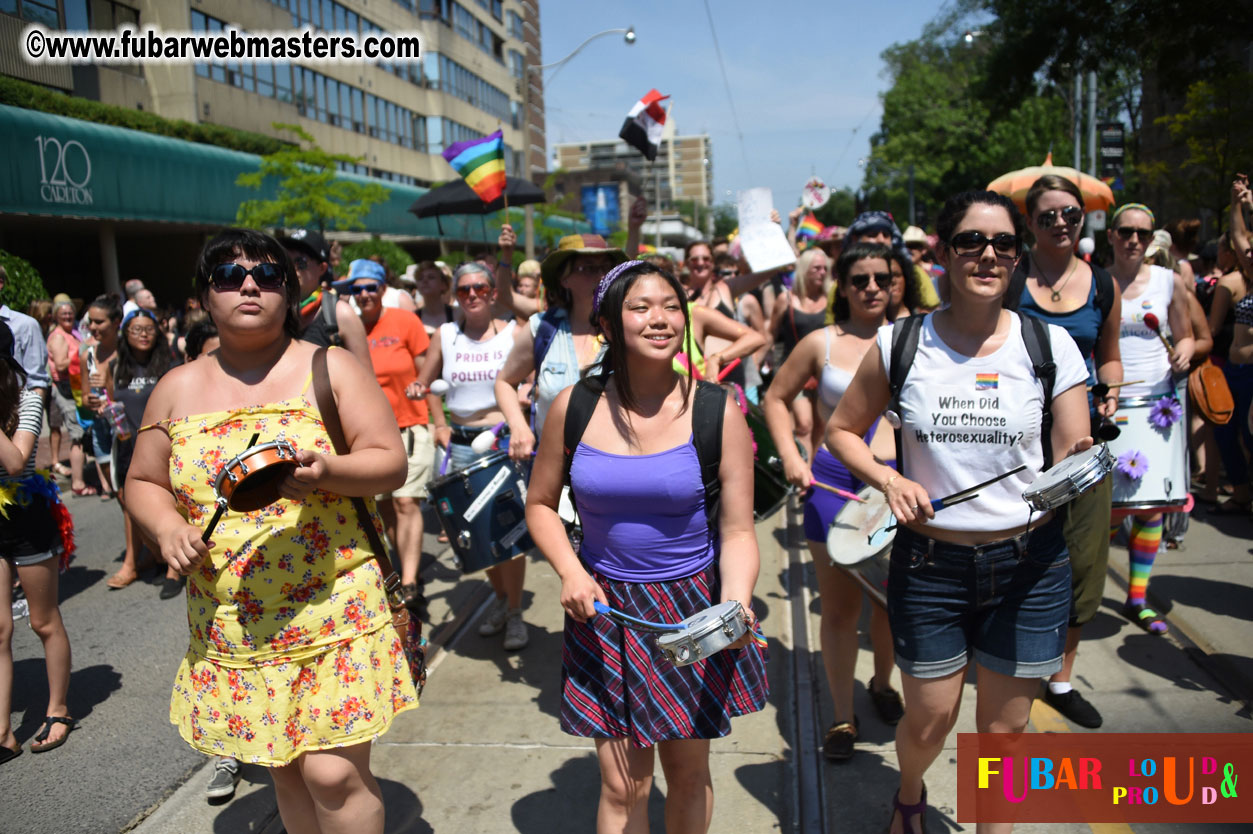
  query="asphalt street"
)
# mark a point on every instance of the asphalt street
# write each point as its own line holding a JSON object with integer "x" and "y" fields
{"x": 484, "y": 753}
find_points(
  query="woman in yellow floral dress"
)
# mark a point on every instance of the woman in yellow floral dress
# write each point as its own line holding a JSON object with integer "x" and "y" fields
{"x": 293, "y": 663}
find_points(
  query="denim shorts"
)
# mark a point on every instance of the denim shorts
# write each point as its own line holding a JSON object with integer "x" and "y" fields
{"x": 1007, "y": 602}
{"x": 101, "y": 439}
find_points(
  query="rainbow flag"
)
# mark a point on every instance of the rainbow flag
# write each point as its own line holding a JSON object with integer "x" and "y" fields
{"x": 481, "y": 163}
{"x": 986, "y": 382}
{"x": 809, "y": 228}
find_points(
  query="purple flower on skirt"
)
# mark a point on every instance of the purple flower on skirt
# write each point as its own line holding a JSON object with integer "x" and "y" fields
{"x": 1165, "y": 412}
{"x": 1133, "y": 464}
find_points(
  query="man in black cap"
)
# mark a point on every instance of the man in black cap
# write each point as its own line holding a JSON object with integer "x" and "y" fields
{"x": 325, "y": 318}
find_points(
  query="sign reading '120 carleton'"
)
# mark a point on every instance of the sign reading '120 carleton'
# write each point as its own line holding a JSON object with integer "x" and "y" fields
{"x": 64, "y": 171}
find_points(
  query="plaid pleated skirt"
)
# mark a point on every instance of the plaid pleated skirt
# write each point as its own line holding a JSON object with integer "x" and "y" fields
{"x": 616, "y": 684}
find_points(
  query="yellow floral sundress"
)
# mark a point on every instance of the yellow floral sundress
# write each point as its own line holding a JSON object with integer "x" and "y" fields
{"x": 291, "y": 647}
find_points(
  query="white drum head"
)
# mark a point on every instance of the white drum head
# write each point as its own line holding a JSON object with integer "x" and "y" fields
{"x": 848, "y": 539}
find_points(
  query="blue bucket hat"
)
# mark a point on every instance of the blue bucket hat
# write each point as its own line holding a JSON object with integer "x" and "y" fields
{"x": 358, "y": 269}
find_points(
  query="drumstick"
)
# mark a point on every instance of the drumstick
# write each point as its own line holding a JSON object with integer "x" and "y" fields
{"x": 1156, "y": 326}
{"x": 634, "y": 622}
{"x": 1116, "y": 384}
{"x": 730, "y": 366}
{"x": 691, "y": 369}
{"x": 843, "y": 493}
{"x": 221, "y": 505}
{"x": 948, "y": 499}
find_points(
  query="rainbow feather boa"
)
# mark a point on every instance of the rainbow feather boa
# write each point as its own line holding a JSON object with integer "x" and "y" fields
{"x": 19, "y": 492}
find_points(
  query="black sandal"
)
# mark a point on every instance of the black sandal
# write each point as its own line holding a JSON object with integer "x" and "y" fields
{"x": 908, "y": 812}
{"x": 8, "y": 754}
{"x": 46, "y": 730}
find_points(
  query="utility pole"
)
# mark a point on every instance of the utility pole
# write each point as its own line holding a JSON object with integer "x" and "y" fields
{"x": 1078, "y": 111}
{"x": 1092, "y": 123}
{"x": 911, "y": 195}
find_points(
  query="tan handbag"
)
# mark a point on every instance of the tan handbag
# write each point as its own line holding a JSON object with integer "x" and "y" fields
{"x": 408, "y": 628}
{"x": 1210, "y": 394}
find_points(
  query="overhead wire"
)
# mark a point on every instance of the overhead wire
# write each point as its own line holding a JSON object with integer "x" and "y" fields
{"x": 727, "y": 84}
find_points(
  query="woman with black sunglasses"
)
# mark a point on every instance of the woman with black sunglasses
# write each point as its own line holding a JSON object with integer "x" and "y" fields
{"x": 398, "y": 345}
{"x": 293, "y": 662}
{"x": 468, "y": 357}
{"x": 831, "y": 355}
{"x": 1158, "y": 291}
{"x": 1054, "y": 285}
{"x": 985, "y": 581}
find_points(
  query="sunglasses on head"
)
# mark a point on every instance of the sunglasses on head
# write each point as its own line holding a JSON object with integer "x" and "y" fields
{"x": 1071, "y": 215}
{"x": 230, "y": 276}
{"x": 467, "y": 290}
{"x": 1125, "y": 232}
{"x": 882, "y": 279}
{"x": 358, "y": 289}
{"x": 973, "y": 244}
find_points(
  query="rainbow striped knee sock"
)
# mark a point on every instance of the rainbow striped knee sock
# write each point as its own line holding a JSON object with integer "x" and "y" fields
{"x": 1146, "y": 537}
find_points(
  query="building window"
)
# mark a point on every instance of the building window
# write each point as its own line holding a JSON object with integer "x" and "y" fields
{"x": 515, "y": 25}
{"x": 43, "y": 12}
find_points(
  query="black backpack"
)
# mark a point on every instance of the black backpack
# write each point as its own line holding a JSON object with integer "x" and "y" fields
{"x": 1035, "y": 335}
{"x": 707, "y": 413}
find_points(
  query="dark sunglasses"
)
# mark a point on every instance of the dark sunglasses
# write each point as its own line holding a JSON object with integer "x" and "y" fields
{"x": 1125, "y": 232}
{"x": 727, "y": 273}
{"x": 358, "y": 289}
{"x": 973, "y": 244}
{"x": 1071, "y": 215}
{"x": 228, "y": 277}
{"x": 882, "y": 279}
{"x": 468, "y": 290}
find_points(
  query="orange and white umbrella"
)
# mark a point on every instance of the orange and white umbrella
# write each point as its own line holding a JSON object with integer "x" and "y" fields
{"x": 1097, "y": 196}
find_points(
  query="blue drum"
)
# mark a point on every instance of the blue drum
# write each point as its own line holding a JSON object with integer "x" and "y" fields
{"x": 482, "y": 509}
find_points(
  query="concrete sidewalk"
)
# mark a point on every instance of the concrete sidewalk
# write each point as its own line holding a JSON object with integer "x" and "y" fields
{"x": 484, "y": 752}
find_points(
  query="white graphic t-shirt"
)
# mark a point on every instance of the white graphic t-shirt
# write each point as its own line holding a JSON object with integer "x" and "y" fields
{"x": 470, "y": 367}
{"x": 966, "y": 419}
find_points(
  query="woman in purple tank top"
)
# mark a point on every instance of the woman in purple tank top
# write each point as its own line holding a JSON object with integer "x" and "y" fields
{"x": 650, "y": 551}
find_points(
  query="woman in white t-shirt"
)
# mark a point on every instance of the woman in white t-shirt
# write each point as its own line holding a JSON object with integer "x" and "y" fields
{"x": 468, "y": 356}
{"x": 982, "y": 581}
{"x": 1146, "y": 289}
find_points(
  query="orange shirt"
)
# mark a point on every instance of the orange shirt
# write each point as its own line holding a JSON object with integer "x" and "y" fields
{"x": 395, "y": 339}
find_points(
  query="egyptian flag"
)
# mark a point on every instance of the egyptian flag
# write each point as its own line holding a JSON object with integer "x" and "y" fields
{"x": 481, "y": 163}
{"x": 642, "y": 128}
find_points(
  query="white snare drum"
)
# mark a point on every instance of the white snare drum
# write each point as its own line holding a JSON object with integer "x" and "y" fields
{"x": 1067, "y": 480}
{"x": 849, "y": 539}
{"x": 704, "y": 634}
{"x": 1165, "y": 484}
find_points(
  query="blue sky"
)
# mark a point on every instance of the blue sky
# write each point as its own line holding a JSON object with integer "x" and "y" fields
{"x": 804, "y": 76}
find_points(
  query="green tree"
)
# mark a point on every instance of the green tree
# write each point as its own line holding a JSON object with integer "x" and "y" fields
{"x": 396, "y": 258}
{"x": 726, "y": 219}
{"x": 309, "y": 192}
{"x": 839, "y": 210}
{"x": 1216, "y": 127}
{"x": 22, "y": 283}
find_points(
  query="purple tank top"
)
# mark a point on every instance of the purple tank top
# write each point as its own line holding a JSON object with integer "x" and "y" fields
{"x": 643, "y": 515}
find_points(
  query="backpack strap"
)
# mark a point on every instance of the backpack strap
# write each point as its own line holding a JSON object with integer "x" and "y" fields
{"x": 905, "y": 334}
{"x": 544, "y": 335}
{"x": 330, "y": 317}
{"x": 1104, "y": 291}
{"x": 1035, "y": 335}
{"x": 1018, "y": 282}
{"x": 708, "y": 411}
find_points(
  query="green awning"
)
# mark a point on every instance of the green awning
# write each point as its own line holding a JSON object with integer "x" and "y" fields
{"x": 56, "y": 166}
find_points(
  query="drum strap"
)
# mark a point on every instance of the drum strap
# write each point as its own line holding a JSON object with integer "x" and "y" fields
{"x": 330, "y": 419}
{"x": 707, "y": 413}
{"x": 1035, "y": 336}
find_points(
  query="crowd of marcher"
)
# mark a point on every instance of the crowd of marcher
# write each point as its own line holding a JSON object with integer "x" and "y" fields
{"x": 633, "y": 393}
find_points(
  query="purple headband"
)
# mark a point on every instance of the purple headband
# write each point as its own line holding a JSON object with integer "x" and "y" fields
{"x": 611, "y": 276}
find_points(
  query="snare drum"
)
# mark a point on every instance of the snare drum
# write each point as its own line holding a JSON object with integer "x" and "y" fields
{"x": 482, "y": 509}
{"x": 770, "y": 488}
{"x": 250, "y": 480}
{"x": 704, "y": 634}
{"x": 849, "y": 542}
{"x": 1165, "y": 485}
{"x": 1069, "y": 479}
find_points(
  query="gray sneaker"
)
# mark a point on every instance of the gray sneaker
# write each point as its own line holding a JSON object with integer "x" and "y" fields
{"x": 225, "y": 778}
{"x": 515, "y": 631}
{"x": 494, "y": 620}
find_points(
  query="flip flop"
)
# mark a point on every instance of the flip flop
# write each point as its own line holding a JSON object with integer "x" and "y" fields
{"x": 8, "y": 754}
{"x": 61, "y": 470}
{"x": 116, "y": 584}
{"x": 84, "y": 490}
{"x": 46, "y": 730}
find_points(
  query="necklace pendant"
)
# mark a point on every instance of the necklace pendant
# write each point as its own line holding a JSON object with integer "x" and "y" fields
{"x": 1056, "y": 295}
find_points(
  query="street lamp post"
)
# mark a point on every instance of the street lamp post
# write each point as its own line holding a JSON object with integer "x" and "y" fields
{"x": 628, "y": 36}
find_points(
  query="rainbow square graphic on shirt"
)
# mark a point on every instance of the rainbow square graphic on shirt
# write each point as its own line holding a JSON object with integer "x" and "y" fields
{"x": 1120, "y": 420}
{"x": 986, "y": 382}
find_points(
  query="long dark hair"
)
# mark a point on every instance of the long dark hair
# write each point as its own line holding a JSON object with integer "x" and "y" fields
{"x": 12, "y": 381}
{"x": 844, "y": 264}
{"x": 954, "y": 211}
{"x": 127, "y": 366}
{"x": 610, "y": 313}
{"x": 229, "y": 244}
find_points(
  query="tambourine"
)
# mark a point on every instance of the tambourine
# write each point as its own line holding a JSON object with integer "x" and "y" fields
{"x": 251, "y": 479}
{"x": 1069, "y": 479}
{"x": 704, "y": 634}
